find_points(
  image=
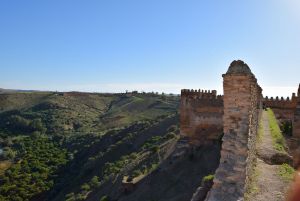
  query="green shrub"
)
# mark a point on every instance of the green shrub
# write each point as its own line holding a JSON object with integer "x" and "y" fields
{"x": 104, "y": 198}
{"x": 35, "y": 173}
{"x": 136, "y": 173}
{"x": 85, "y": 187}
{"x": 70, "y": 197}
{"x": 37, "y": 125}
{"x": 155, "y": 149}
{"x": 18, "y": 123}
{"x": 9, "y": 153}
{"x": 287, "y": 128}
{"x": 208, "y": 178}
{"x": 286, "y": 172}
{"x": 94, "y": 183}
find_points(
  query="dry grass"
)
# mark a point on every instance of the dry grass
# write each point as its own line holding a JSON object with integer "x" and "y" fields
{"x": 4, "y": 165}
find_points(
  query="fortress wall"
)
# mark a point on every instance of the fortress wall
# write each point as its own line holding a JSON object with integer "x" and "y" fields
{"x": 204, "y": 116}
{"x": 296, "y": 122}
{"x": 284, "y": 109}
{"x": 287, "y": 110}
{"x": 242, "y": 103}
{"x": 201, "y": 116}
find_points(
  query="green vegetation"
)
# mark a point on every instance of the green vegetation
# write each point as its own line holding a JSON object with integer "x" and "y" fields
{"x": 117, "y": 166}
{"x": 70, "y": 146}
{"x": 286, "y": 172}
{"x": 287, "y": 128}
{"x": 278, "y": 139}
{"x": 208, "y": 178}
{"x": 252, "y": 188}
{"x": 65, "y": 114}
{"x": 23, "y": 125}
{"x": 260, "y": 130}
{"x": 34, "y": 172}
{"x": 152, "y": 144}
{"x": 104, "y": 198}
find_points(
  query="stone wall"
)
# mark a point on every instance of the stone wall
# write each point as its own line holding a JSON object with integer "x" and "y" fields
{"x": 296, "y": 123}
{"x": 284, "y": 109}
{"x": 201, "y": 116}
{"x": 242, "y": 103}
{"x": 204, "y": 116}
{"x": 287, "y": 110}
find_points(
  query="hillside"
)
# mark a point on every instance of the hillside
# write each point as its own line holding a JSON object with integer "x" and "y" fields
{"x": 79, "y": 146}
{"x": 88, "y": 146}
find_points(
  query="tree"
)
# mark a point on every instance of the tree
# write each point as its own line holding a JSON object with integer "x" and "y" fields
{"x": 9, "y": 153}
{"x": 37, "y": 125}
{"x": 85, "y": 187}
{"x": 19, "y": 123}
{"x": 94, "y": 183}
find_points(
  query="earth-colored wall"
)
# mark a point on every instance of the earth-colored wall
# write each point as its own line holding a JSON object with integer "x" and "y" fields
{"x": 201, "y": 116}
{"x": 284, "y": 109}
{"x": 204, "y": 117}
{"x": 242, "y": 103}
{"x": 296, "y": 123}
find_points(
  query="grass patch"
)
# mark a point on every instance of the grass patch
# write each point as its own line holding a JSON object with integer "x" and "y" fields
{"x": 278, "y": 139}
{"x": 252, "y": 188}
{"x": 286, "y": 172}
{"x": 260, "y": 130}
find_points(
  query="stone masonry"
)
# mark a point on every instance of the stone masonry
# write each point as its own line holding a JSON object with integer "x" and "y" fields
{"x": 296, "y": 122}
{"x": 201, "y": 116}
{"x": 242, "y": 101}
{"x": 204, "y": 117}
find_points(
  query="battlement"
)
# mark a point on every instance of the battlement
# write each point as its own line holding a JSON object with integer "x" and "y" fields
{"x": 282, "y": 99}
{"x": 205, "y": 117}
{"x": 201, "y": 115}
{"x": 282, "y": 103}
{"x": 200, "y": 94}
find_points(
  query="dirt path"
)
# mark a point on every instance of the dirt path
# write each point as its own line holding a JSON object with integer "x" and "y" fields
{"x": 269, "y": 184}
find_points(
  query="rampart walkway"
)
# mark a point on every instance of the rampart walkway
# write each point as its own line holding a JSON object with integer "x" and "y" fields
{"x": 267, "y": 185}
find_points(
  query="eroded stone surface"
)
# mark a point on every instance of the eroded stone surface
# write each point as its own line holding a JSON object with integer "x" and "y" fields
{"x": 239, "y": 67}
{"x": 242, "y": 103}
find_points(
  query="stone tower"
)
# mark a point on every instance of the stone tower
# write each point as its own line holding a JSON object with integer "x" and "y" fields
{"x": 296, "y": 123}
{"x": 242, "y": 100}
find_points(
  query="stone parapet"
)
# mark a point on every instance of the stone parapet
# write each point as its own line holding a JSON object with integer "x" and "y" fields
{"x": 242, "y": 103}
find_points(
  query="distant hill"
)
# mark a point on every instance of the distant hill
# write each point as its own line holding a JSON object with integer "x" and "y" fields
{"x": 63, "y": 113}
{"x": 3, "y": 91}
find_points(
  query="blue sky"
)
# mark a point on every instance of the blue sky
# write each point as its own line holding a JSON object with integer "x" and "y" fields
{"x": 150, "y": 45}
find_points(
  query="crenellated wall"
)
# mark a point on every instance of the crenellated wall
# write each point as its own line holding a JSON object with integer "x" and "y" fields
{"x": 284, "y": 109}
{"x": 201, "y": 116}
{"x": 204, "y": 117}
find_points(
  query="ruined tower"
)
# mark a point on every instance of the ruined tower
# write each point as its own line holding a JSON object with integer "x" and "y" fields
{"x": 242, "y": 100}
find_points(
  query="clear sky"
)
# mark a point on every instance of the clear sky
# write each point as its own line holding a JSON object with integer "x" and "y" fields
{"x": 150, "y": 45}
